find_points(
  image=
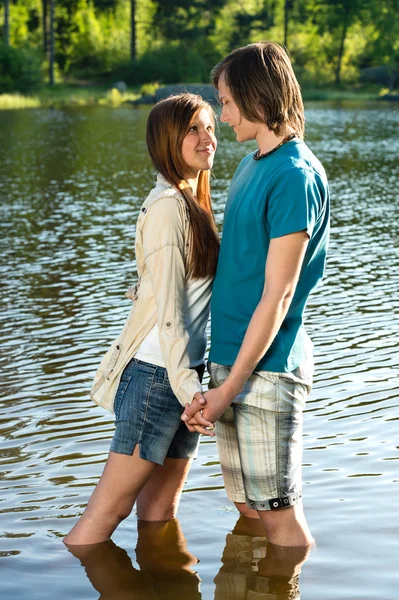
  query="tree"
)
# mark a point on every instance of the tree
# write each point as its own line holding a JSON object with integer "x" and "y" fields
{"x": 288, "y": 6}
{"x": 44, "y": 26}
{"x": 385, "y": 46}
{"x": 337, "y": 17}
{"x": 186, "y": 20}
{"x": 52, "y": 45}
{"x": 133, "y": 52}
{"x": 7, "y": 22}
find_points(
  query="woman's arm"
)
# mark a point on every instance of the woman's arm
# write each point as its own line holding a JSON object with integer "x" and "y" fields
{"x": 164, "y": 245}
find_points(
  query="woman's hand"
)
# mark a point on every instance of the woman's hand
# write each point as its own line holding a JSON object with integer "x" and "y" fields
{"x": 200, "y": 417}
{"x": 197, "y": 420}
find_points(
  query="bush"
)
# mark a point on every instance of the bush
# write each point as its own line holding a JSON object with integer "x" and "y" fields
{"x": 171, "y": 63}
{"x": 20, "y": 70}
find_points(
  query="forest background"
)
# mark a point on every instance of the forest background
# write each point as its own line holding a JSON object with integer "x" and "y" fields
{"x": 334, "y": 44}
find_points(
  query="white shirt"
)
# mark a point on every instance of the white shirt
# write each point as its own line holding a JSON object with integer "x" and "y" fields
{"x": 196, "y": 313}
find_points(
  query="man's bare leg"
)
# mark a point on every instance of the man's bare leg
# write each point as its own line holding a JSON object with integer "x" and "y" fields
{"x": 286, "y": 526}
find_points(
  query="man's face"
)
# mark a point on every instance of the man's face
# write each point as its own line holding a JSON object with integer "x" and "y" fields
{"x": 245, "y": 130}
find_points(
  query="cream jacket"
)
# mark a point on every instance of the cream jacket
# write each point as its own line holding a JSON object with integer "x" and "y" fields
{"x": 162, "y": 249}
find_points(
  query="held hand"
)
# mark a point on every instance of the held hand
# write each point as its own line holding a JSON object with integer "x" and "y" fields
{"x": 198, "y": 422}
{"x": 217, "y": 401}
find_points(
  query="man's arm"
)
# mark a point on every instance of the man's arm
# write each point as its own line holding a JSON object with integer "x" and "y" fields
{"x": 282, "y": 270}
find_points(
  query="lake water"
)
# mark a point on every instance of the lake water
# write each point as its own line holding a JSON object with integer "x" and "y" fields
{"x": 71, "y": 184}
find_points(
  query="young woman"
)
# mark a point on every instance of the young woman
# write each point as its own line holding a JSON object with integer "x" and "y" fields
{"x": 155, "y": 366}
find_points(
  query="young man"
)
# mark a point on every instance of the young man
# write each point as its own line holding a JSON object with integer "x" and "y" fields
{"x": 272, "y": 256}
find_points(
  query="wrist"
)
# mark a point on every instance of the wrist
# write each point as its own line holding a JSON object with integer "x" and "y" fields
{"x": 228, "y": 391}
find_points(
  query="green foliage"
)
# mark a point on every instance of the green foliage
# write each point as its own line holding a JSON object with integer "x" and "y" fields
{"x": 172, "y": 63}
{"x": 90, "y": 42}
{"x": 13, "y": 101}
{"x": 149, "y": 89}
{"x": 20, "y": 70}
{"x": 330, "y": 41}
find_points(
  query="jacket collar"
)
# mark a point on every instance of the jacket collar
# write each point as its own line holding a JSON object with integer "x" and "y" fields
{"x": 163, "y": 183}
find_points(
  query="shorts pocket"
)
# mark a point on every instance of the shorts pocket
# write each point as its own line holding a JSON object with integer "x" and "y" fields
{"x": 260, "y": 391}
{"x": 292, "y": 396}
{"x": 160, "y": 379}
{"x": 218, "y": 374}
{"x": 124, "y": 382}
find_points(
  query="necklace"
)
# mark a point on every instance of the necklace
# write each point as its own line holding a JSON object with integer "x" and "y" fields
{"x": 258, "y": 155}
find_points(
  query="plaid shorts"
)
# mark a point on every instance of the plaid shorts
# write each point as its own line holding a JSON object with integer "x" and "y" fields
{"x": 259, "y": 437}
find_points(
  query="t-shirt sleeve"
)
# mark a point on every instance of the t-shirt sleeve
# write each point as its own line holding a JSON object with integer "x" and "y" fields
{"x": 294, "y": 203}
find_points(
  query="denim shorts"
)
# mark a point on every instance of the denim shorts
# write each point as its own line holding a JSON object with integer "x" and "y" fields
{"x": 259, "y": 437}
{"x": 148, "y": 413}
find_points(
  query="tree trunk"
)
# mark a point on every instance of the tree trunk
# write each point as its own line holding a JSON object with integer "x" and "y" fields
{"x": 51, "y": 57}
{"x": 44, "y": 26}
{"x": 133, "y": 30}
{"x": 341, "y": 53}
{"x": 7, "y": 22}
{"x": 288, "y": 4}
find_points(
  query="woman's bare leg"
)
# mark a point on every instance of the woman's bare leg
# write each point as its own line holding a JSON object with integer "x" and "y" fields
{"x": 113, "y": 498}
{"x": 159, "y": 499}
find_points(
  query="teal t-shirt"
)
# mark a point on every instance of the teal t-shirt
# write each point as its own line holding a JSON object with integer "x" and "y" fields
{"x": 280, "y": 194}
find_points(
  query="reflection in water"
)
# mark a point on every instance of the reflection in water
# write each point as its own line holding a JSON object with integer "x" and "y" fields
{"x": 254, "y": 569}
{"x": 165, "y": 566}
{"x": 71, "y": 185}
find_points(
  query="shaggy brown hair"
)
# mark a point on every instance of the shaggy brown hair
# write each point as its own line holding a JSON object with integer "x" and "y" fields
{"x": 264, "y": 87}
{"x": 168, "y": 124}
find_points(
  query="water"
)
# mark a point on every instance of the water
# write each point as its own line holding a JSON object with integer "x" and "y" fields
{"x": 71, "y": 183}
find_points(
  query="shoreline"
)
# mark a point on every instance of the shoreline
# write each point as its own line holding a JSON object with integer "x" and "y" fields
{"x": 75, "y": 95}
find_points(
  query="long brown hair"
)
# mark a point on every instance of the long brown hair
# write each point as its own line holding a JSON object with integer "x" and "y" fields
{"x": 264, "y": 87}
{"x": 168, "y": 124}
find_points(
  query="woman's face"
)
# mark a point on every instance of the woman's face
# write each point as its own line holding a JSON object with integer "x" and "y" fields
{"x": 199, "y": 144}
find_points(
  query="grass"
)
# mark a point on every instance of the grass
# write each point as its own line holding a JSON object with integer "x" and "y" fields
{"x": 95, "y": 94}
{"x": 62, "y": 95}
{"x": 359, "y": 92}
{"x": 17, "y": 101}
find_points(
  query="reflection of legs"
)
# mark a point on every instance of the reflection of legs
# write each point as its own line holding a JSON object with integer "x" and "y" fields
{"x": 244, "y": 548}
{"x": 160, "y": 497}
{"x": 256, "y": 569}
{"x": 161, "y": 546}
{"x": 113, "y": 498}
{"x": 111, "y": 572}
{"x": 278, "y": 573}
{"x": 283, "y": 561}
{"x": 161, "y": 552}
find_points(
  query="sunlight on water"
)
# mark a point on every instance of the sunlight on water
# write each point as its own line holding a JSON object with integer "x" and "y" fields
{"x": 71, "y": 184}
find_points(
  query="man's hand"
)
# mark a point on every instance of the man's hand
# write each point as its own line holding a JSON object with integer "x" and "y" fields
{"x": 199, "y": 418}
{"x": 196, "y": 408}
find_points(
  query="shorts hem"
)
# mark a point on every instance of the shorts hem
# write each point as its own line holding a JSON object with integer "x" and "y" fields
{"x": 240, "y": 498}
{"x": 129, "y": 449}
{"x": 275, "y": 503}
